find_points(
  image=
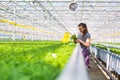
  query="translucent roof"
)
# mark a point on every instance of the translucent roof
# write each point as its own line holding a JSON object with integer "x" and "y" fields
{"x": 51, "y": 18}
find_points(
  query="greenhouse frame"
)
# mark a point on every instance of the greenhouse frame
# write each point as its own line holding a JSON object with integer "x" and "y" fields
{"x": 41, "y": 19}
{"x": 38, "y": 39}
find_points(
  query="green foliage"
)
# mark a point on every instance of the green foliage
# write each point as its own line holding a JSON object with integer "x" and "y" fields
{"x": 113, "y": 50}
{"x": 74, "y": 37}
{"x": 114, "y": 43}
{"x": 101, "y": 46}
{"x": 33, "y": 60}
{"x": 93, "y": 44}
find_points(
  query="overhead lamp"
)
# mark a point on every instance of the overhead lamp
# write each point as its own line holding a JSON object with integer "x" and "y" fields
{"x": 33, "y": 1}
{"x": 73, "y": 6}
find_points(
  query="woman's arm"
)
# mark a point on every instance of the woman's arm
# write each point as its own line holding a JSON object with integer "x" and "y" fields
{"x": 87, "y": 43}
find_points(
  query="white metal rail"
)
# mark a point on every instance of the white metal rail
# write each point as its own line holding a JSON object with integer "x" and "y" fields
{"x": 75, "y": 68}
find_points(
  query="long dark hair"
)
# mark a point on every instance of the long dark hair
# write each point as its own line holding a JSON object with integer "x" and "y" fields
{"x": 85, "y": 27}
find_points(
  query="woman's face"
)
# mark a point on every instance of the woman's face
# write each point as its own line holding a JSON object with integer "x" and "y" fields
{"x": 81, "y": 29}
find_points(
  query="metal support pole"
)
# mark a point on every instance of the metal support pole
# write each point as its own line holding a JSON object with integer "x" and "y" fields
{"x": 108, "y": 58}
{"x": 14, "y": 19}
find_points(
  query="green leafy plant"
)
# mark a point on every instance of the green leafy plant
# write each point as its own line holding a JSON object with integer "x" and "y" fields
{"x": 33, "y": 60}
{"x": 113, "y": 50}
{"x": 101, "y": 46}
{"x": 74, "y": 38}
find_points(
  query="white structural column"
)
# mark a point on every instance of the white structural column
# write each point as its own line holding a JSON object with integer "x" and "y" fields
{"x": 14, "y": 19}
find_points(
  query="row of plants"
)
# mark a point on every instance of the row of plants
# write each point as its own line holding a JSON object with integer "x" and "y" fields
{"x": 33, "y": 61}
{"x": 19, "y": 40}
{"x": 117, "y": 43}
{"x": 113, "y": 50}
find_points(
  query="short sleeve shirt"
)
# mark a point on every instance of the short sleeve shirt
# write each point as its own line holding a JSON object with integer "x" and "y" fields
{"x": 87, "y": 36}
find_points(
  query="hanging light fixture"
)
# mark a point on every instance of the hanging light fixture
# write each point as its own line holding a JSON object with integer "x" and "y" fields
{"x": 73, "y": 6}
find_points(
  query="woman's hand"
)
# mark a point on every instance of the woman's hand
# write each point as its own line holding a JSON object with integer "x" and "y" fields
{"x": 78, "y": 40}
{"x": 75, "y": 41}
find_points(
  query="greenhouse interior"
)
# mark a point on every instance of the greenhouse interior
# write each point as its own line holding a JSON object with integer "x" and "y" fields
{"x": 59, "y": 39}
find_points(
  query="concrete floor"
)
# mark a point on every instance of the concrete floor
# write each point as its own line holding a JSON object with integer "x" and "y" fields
{"x": 95, "y": 73}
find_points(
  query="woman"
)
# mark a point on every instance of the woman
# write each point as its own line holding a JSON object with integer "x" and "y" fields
{"x": 84, "y": 40}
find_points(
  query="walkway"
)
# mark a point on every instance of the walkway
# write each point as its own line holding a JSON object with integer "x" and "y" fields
{"x": 95, "y": 73}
